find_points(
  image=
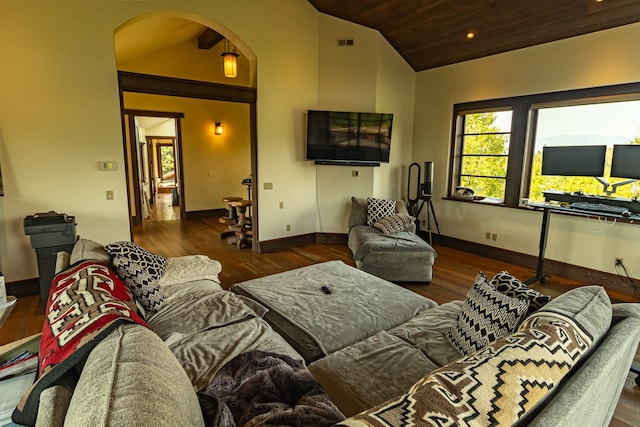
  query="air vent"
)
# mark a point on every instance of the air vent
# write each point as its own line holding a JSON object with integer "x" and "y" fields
{"x": 346, "y": 42}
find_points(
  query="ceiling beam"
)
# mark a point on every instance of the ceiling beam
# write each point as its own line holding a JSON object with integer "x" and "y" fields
{"x": 209, "y": 39}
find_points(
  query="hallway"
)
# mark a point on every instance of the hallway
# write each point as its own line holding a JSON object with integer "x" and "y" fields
{"x": 163, "y": 210}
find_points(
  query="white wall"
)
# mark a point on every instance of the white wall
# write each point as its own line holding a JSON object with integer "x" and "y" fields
{"x": 597, "y": 59}
{"x": 60, "y": 110}
{"x": 368, "y": 77}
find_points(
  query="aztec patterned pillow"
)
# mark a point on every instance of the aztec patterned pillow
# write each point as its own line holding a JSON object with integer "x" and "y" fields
{"x": 394, "y": 223}
{"x": 512, "y": 287}
{"x": 140, "y": 270}
{"x": 486, "y": 315}
{"x": 488, "y": 387}
{"x": 378, "y": 209}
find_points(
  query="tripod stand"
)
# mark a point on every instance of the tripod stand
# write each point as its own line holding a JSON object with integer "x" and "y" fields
{"x": 422, "y": 196}
{"x": 426, "y": 199}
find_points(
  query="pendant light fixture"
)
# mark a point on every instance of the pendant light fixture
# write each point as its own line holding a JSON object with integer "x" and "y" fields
{"x": 229, "y": 58}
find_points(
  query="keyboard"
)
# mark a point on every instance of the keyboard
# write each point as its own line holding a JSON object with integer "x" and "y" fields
{"x": 601, "y": 208}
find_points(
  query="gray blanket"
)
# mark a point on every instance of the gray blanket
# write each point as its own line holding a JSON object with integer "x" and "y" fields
{"x": 257, "y": 388}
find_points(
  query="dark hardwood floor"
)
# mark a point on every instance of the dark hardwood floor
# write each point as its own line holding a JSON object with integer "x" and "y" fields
{"x": 453, "y": 275}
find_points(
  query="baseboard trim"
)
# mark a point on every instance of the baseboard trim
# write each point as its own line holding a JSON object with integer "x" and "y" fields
{"x": 619, "y": 287}
{"x": 276, "y": 245}
{"x": 283, "y": 243}
{"x": 24, "y": 288}
{"x": 332, "y": 238}
{"x": 207, "y": 213}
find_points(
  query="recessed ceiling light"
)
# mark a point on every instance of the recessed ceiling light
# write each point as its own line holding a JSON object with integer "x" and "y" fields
{"x": 471, "y": 35}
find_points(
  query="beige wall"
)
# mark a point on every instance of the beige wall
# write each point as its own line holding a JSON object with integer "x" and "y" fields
{"x": 368, "y": 77}
{"x": 213, "y": 165}
{"x": 598, "y": 59}
{"x": 60, "y": 111}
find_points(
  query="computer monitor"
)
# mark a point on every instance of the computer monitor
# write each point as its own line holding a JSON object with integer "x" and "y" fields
{"x": 575, "y": 160}
{"x": 626, "y": 161}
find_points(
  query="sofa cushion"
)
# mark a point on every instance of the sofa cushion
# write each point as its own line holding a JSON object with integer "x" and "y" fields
{"x": 131, "y": 378}
{"x": 141, "y": 271}
{"x": 365, "y": 241}
{"x": 370, "y": 371}
{"x": 427, "y": 331}
{"x": 189, "y": 310}
{"x": 204, "y": 353}
{"x": 486, "y": 316}
{"x": 512, "y": 287}
{"x": 189, "y": 268}
{"x": 358, "y": 212}
{"x": 588, "y": 306}
{"x": 394, "y": 223}
{"x": 498, "y": 385}
{"x": 378, "y": 209}
{"x": 85, "y": 249}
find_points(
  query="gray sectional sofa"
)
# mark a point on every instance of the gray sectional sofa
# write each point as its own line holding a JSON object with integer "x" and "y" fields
{"x": 155, "y": 376}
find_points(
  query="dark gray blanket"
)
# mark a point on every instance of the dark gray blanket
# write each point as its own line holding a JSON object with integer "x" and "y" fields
{"x": 265, "y": 389}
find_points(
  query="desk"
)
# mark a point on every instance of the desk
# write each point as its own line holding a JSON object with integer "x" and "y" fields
{"x": 544, "y": 231}
{"x": 566, "y": 197}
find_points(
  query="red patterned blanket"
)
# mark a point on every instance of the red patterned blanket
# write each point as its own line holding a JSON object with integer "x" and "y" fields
{"x": 85, "y": 303}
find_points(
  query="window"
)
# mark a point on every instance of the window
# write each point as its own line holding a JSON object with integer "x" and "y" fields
{"x": 484, "y": 152}
{"x": 607, "y": 124}
{"x": 497, "y": 144}
{"x": 166, "y": 161}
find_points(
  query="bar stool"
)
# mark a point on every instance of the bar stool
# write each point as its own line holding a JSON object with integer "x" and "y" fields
{"x": 242, "y": 229}
{"x": 231, "y": 218}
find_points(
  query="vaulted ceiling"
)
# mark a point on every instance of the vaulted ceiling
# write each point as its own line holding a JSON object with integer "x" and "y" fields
{"x": 433, "y": 33}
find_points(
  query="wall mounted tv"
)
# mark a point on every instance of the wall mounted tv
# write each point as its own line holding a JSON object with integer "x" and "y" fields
{"x": 344, "y": 138}
{"x": 575, "y": 160}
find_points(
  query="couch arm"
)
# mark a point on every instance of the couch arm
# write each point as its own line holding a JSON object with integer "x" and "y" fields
{"x": 132, "y": 378}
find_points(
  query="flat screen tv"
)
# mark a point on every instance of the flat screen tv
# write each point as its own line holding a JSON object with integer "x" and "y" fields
{"x": 335, "y": 137}
{"x": 626, "y": 161}
{"x": 575, "y": 160}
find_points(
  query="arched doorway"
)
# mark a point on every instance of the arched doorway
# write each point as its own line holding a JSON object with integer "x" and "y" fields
{"x": 152, "y": 71}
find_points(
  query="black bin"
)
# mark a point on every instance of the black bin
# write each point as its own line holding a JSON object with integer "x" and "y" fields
{"x": 50, "y": 233}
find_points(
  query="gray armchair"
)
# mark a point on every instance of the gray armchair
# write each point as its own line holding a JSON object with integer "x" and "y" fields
{"x": 395, "y": 256}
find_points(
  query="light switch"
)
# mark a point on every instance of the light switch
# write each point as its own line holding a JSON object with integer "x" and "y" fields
{"x": 109, "y": 194}
{"x": 108, "y": 165}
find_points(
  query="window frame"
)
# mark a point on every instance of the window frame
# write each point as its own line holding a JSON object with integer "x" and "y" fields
{"x": 460, "y": 134}
{"x": 524, "y": 118}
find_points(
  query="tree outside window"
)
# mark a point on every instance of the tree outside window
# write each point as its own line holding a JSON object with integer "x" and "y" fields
{"x": 485, "y": 152}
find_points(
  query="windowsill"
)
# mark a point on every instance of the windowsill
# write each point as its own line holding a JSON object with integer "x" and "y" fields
{"x": 492, "y": 201}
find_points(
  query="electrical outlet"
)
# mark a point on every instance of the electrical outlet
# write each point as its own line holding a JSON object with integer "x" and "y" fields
{"x": 619, "y": 261}
{"x": 423, "y": 223}
{"x": 354, "y": 173}
{"x": 487, "y": 235}
{"x": 281, "y": 205}
{"x": 494, "y": 237}
{"x": 288, "y": 227}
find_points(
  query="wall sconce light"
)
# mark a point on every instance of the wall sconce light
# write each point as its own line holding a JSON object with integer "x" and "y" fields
{"x": 229, "y": 59}
{"x": 218, "y": 130}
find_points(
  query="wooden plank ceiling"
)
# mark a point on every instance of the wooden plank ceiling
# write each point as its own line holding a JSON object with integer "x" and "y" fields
{"x": 433, "y": 33}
